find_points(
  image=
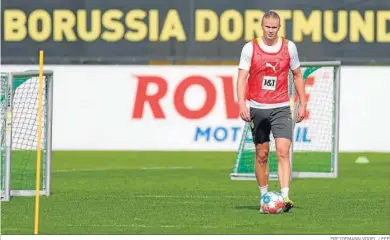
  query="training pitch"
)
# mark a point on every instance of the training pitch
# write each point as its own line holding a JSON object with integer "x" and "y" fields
{"x": 191, "y": 193}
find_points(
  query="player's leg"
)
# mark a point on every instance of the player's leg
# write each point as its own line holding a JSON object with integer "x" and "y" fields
{"x": 260, "y": 127}
{"x": 284, "y": 166}
{"x": 281, "y": 125}
{"x": 261, "y": 167}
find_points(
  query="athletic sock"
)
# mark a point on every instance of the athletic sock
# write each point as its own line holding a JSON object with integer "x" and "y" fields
{"x": 284, "y": 192}
{"x": 263, "y": 190}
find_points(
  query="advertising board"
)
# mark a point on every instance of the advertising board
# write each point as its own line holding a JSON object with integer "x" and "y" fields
{"x": 195, "y": 108}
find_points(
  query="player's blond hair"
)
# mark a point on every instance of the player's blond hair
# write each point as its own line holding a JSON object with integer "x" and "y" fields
{"x": 270, "y": 14}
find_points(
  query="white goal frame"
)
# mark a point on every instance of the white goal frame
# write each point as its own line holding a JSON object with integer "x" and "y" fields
{"x": 335, "y": 132}
{"x": 6, "y": 138}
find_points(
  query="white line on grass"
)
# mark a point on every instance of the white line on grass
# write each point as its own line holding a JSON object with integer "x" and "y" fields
{"x": 111, "y": 169}
{"x": 82, "y": 170}
{"x": 162, "y": 168}
{"x": 135, "y": 226}
{"x": 188, "y": 196}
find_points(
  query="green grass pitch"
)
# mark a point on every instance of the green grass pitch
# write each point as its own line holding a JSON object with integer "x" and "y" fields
{"x": 191, "y": 193}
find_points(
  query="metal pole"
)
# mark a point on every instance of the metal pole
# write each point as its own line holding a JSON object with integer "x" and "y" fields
{"x": 336, "y": 119}
{"x": 8, "y": 138}
{"x": 32, "y": 73}
{"x": 321, "y": 64}
{"x": 49, "y": 123}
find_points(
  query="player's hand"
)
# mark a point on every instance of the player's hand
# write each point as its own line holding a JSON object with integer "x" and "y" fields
{"x": 301, "y": 112}
{"x": 244, "y": 113}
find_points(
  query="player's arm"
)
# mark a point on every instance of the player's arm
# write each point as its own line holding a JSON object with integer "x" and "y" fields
{"x": 241, "y": 85}
{"x": 243, "y": 73}
{"x": 299, "y": 84}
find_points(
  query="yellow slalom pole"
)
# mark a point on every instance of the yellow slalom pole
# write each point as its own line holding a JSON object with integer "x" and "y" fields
{"x": 39, "y": 133}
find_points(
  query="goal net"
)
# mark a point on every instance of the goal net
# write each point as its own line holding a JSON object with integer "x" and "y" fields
{"x": 19, "y": 133}
{"x": 314, "y": 151}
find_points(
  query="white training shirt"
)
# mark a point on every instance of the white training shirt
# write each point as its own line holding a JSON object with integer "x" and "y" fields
{"x": 246, "y": 59}
{"x": 247, "y": 51}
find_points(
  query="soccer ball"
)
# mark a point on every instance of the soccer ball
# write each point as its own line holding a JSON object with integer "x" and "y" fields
{"x": 272, "y": 203}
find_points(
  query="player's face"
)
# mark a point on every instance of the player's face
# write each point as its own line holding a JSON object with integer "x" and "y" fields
{"x": 271, "y": 28}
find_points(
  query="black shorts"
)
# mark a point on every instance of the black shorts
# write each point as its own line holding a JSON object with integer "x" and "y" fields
{"x": 277, "y": 120}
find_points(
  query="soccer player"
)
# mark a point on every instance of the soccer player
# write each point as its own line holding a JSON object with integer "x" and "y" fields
{"x": 263, "y": 81}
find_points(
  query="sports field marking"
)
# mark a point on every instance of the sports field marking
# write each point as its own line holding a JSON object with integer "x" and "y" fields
{"x": 162, "y": 168}
{"x": 136, "y": 226}
{"x": 83, "y": 170}
{"x": 189, "y": 196}
{"x": 112, "y": 169}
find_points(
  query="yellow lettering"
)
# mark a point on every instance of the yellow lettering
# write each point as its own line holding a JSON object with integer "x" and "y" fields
{"x": 134, "y": 21}
{"x": 253, "y": 24}
{"x": 237, "y": 25}
{"x": 153, "y": 25}
{"x": 33, "y": 23}
{"x": 202, "y": 33}
{"x": 82, "y": 20}
{"x": 360, "y": 26}
{"x": 173, "y": 28}
{"x": 303, "y": 26}
{"x": 111, "y": 21}
{"x": 64, "y": 21}
{"x": 382, "y": 18}
{"x": 284, "y": 16}
{"x": 336, "y": 26}
{"x": 341, "y": 33}
{"x": 14, "y": 25}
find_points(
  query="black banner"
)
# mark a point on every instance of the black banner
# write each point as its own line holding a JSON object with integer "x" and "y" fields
{"x": 140, "y": 31}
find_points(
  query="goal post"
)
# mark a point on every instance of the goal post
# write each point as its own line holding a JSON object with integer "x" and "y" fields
{"x": 315, "y": 145}
{"x": 19, "y": 133}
